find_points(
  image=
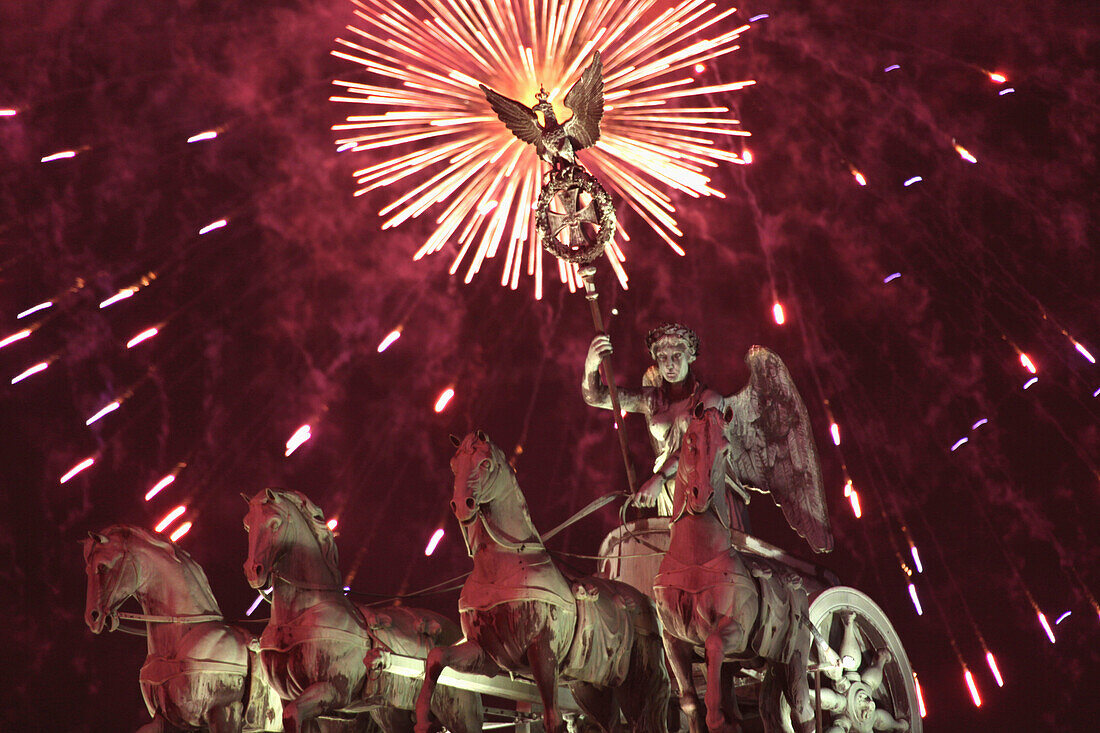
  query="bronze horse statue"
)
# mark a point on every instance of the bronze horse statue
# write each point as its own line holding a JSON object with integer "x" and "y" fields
{"x": 520, "y": 614}
{"x": 735, "y": 606}
{"x": 314, "y": 645}
{"x": 199, "y": 672}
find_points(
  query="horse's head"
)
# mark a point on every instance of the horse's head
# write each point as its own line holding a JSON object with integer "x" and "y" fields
{"x": 279, "y": 522}
{"x": 701, "y": 471}
{"x": 478, "y": 466}
{"x": 113, "y": 577}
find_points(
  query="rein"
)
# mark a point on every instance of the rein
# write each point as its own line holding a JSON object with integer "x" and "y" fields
{"x": 198, "y": 618}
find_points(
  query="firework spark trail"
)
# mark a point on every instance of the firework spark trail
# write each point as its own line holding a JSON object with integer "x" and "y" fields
{"x": 446, "y": 147}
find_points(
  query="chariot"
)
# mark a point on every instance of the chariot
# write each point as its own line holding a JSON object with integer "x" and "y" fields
{"x": 851, "y": 632}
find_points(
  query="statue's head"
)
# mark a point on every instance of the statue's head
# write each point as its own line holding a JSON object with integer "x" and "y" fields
{"x": 543, "y": 102}
{"x": 673, "y": 347}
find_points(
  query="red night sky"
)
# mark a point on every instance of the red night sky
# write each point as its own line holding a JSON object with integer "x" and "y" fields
{"x": 273, "y": 321}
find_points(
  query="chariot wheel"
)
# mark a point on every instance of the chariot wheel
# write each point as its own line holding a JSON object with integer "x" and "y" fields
{"x": 873, "y": 687}
{"x": 574, "y": 217}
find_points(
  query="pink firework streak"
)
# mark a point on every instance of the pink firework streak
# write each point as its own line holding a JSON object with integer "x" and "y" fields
{"x": 447, "y": 152}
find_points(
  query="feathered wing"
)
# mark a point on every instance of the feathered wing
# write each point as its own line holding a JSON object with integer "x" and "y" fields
{"x": 772, "y": 447}
{"x": 585, "y": 100}
{"x": 521, "y": 120}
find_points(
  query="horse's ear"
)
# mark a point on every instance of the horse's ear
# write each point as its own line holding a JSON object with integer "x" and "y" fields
{"x": 457, "y": 441}
{"x": 246, "y": 497}
{"x": 101, "y": 539}
{"x": 271, "y": 496}
{"x": 482, "y": 436}
{"x": 699, "y": 409}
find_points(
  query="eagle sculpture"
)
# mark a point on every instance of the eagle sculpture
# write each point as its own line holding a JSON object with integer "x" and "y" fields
{"x": 555, "y": 142}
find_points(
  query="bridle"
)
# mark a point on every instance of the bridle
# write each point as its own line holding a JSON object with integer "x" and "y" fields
{"x": 278, "y": 554}
{"x": 490, "y": 478}
{"x": 112, "y": 617}
{"x": 710, "y": 505}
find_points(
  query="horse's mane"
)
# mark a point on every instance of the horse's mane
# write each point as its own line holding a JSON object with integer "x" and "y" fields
{"x": 470, "y": 443}
{"x": 315, "y": 522}
{"x": 174, "y": 552}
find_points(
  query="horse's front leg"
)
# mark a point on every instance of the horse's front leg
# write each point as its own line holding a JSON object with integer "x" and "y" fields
{"x": 465, "y": 657}
{"x": 544, "y": 668}
{"x": 716, "y": 718}
{"x": 317, "y": 699}
{"x": 680, "y": 654}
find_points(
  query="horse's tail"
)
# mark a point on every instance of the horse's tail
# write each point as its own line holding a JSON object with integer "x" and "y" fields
{"x": 646, "y": 692}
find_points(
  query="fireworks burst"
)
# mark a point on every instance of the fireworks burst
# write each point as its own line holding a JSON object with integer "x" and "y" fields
{"x": 446, "y": 147}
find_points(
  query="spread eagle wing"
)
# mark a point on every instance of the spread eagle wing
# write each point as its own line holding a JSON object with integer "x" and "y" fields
{"x": 772, "y": 447}
{"x": 585, "y": 100}
{"x": 521, "y": 120}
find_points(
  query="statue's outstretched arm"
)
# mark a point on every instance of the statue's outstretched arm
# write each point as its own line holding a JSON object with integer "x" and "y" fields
{"x": 593, "y": 389}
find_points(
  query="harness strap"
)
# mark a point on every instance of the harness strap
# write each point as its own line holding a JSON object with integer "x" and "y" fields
{"x": 301, "y": 635}
{"x": 593, "y": 506}
{"x": 189, "y": 619}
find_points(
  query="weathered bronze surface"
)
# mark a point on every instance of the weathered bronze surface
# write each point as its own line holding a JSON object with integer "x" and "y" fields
{"x": 520, "y": 614}
{"x": 318, "y": 646}
{"x": 199, "y": 672}
{"x": 771, "y": 446}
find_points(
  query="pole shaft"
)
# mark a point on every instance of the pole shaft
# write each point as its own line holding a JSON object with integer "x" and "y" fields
{"x": 590, "y": 294}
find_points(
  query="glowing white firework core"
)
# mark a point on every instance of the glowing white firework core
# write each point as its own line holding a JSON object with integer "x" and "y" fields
{"x": 972, "y": 687}
{"x": 779, "y": 315}
{"x": 388, "y": 341}
{"x": 35, "y": 309}
{"x": 143, "y": 336}
{"x": 120, "y": 295}
{"x": 169, "y": 518}
{"x": 17, "y": 336}
{"x": 159, "y": 486}
{"x": 255, "y": 604}
{"x": 301, "y": 435}
{"x": 992, "y": 662}
{"x": 920, "y": 696}
{"x": 433, "y": 542}
{"x": 59, "y": 156}
{"x": 39, "y": 367}
{"x": 431, "y": 132}
{"x": 86, "y": 463}
{"x": 444, "y": 399}
{"x": 916, "y": 601}
{"x": 105, "y": 411}
{"x": 180, "y": 531}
